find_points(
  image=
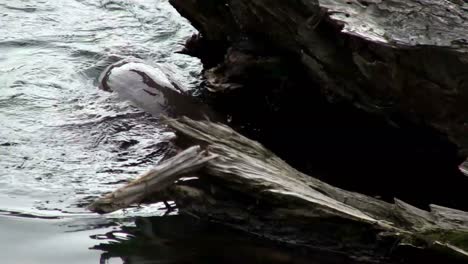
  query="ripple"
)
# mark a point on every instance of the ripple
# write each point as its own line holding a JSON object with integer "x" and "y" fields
{"x": 24, "y": 43}
{"x": 28, "y": 9}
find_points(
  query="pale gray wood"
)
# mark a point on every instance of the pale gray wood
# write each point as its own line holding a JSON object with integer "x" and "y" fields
{"x": 153, "y": 181}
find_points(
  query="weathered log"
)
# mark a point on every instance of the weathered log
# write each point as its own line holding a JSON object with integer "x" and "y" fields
{"x": 241, "y": 183}
{"x": 153, "y": 181}
{"x": 404, "y": 58}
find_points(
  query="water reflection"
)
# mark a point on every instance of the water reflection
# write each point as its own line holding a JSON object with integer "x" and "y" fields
{"x": 185, "y": 239}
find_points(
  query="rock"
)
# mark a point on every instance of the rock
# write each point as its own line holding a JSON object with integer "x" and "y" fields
{"x": 397, "y": 58}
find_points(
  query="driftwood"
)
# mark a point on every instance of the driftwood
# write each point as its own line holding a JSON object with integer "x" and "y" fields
{"x": 238, "y": 182}
{"x": 153, "y": 181}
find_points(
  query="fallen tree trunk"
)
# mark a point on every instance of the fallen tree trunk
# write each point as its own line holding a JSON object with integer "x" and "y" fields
{"x": 238, "y": 182}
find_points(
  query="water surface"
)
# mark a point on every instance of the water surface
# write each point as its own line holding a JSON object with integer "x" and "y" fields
{"x": 63, "y": 142}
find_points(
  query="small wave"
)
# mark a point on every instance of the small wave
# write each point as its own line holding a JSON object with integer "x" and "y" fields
{"x": 113, "y": 5}
{"x": 26, "y": 43}
{"x": 19, "y": 8}
{"x": 27, "y": 215}
{"x": 27, "y": 8}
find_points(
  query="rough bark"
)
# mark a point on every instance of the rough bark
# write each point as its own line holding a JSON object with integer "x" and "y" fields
{"x": 238, "y": 182}
{"x": 396, "y": 58}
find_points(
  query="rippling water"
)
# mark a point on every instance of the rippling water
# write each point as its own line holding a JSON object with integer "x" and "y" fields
{"x": 63, "y": 142}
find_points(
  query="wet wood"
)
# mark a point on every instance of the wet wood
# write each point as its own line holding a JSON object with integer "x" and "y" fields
{"x": 238, "y": 182}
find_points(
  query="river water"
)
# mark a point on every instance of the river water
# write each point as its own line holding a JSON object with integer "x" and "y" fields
{"x": 63, "y": 142}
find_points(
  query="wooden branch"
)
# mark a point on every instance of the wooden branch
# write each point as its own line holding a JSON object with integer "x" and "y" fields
{"x": 153, "y": 181}
{"x": 244, "y": 185}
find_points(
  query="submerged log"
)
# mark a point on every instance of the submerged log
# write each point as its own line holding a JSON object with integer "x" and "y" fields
{"x": 228, "y": 178}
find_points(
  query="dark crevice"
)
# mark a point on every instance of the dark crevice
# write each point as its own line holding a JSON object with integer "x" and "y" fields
{"x": 343, "y": 145}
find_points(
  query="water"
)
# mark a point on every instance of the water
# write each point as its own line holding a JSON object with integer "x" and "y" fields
{"x": 63, "y": 142}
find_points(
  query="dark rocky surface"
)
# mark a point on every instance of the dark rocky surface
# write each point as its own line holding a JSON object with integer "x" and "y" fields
{"x": 393, "y": 58}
